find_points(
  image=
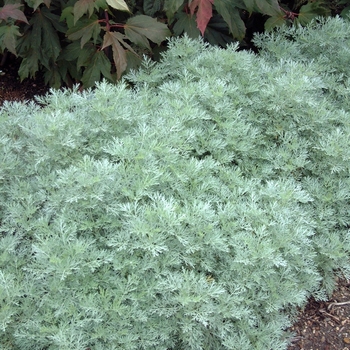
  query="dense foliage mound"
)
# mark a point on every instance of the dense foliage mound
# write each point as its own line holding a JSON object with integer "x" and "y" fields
{"x": 192, "y": 206}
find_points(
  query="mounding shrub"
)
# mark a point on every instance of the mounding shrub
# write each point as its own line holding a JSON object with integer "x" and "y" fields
{"x": 192, "y": 206}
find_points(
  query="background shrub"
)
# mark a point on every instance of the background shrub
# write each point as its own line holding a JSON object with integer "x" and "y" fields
{"x": 194, "y": 205}
{"x": 81, "y": 41}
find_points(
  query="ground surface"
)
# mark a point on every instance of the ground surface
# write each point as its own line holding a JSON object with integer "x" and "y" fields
{"x": 320, "y": 325}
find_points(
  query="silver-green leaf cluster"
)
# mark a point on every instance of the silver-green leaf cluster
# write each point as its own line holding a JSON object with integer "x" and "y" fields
{"x": 193, "y": 206}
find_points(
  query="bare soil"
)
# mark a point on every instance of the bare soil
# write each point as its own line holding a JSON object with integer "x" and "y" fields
{"x": 324, "y": 325}
{"x": 319, "y": 326}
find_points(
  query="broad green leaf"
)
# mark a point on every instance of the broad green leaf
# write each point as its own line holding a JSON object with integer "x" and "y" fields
{"x": 71, "y": 52}
{"x": 273, "y": 22}
{"x": 138, "y": 28}
{"x": 186, "y": 23}
{"x": 217, "y": 32}
{"x": 150, "y": 7}
{"x": 40, "y": 42}
{"x": 118, "y": 5}
{"x": 55, "y": 20}
{"x": 171, "y": 6}
{"x": 85, "y": 30}
{"x": 81, "y": 7}
{"x": 250, "y": 5}
{"x": 34, "y": 4}
{"x": 134, "y": 61}
{"x": 85, "y": 55}
{"x": 67, "y": 14}
{"x": 204, "y": 12}
{"x": 138, "y": 39}
{"x": 101, "y": 4}
{"x": 116, "y": 41}
{"x": 346, "y": 12}
{"x": 309, "y": 11}
{"x": 99, "y": 64}
{"x": 12, "y": 11}
{"x": 51, "y": 46}
{"x": 8, "y": 38}
{"x": 29, "y": 65}
{"x": 53, "y": 77}
{"x": 231, "y": 15}
{"x": 266, "y": 7}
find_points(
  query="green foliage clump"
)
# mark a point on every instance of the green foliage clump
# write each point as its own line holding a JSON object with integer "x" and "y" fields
{"x": 82, "y": 41}
{"x": 194, "y": 210}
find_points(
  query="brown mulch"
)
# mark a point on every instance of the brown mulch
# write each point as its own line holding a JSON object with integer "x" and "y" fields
{"x": 319, "y": 326}
{"x": 324, "y": 325}
{"x": 12, "y": 89}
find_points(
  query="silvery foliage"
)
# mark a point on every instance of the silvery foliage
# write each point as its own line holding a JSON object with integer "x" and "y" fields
{"x": 192, "y": 206}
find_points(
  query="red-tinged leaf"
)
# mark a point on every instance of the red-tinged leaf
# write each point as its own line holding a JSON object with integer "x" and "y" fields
{"x": 8, "y": 38}
{"x": 204, "y": 12}
{"x": 12, "y": 11}
{"x": 81, "y": 7}
{"x": 140, "y": 28}
{"x": 85, "y": 30}
{"x": 116, "y": 40}
{"x": 99, "y": 64}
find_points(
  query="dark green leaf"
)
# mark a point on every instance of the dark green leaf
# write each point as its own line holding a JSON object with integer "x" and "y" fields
{"x": 8, "y": 38}
{"x": 186, "y": 23}
{"x": 85, "y": 55}
{"x": 34, "y": 4}
{"x": 71, "y": 52}
{"x": 99, "y": 64}
{"x": 266, "y": 7}
{"x": 150, "y": 7}
{"x": 217, "y": 32}
{"x": 29, "y": 65}
{"x": 346, "y": 12}
{"x": 134, "y": 61}
{"x": 231, "y": 15}
{"x": 39, "y": 43}
{"x": 67, "y": 14}
{"x": 101, "y": 4}
{"x": 171, "y": 7}
{"x": 147, "y": 27}
{"x": 309, "y": 11}
{"x": 51, "y": 46}
{"x": 85, "y": 30}
{"x": 274, "y": 21}
{"x": 53, "y": 77}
